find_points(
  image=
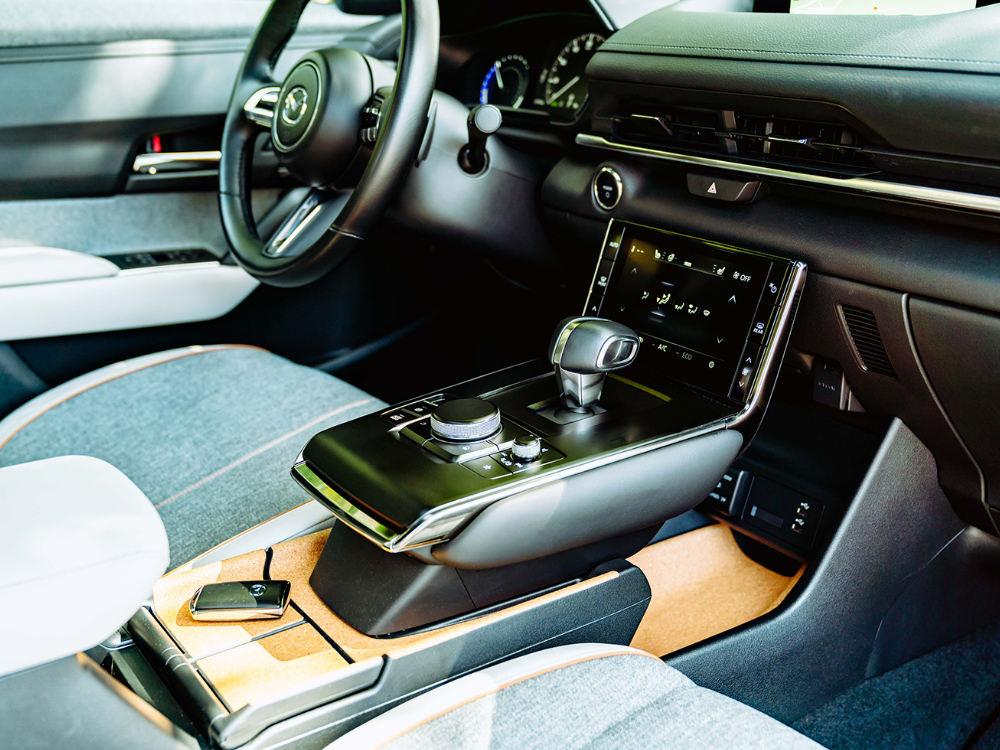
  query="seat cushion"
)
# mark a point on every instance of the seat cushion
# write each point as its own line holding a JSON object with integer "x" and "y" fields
{"x": 209, "y": 434}
{"x": 581, "y": 696}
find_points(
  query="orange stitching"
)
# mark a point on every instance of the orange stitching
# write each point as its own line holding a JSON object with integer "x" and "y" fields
{"x": 47, "y": 409}
{"x": 260, "y": 450}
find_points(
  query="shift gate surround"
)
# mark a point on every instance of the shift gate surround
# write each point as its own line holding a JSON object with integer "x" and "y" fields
{"x": 432, "y": 511}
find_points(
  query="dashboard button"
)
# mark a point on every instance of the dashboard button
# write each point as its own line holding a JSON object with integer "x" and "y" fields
{"x": 614, "y": 243}
{"x": 722, "y": 189}
{"x": 603, "y": 277}
{"x": 488, "y": 467}
{"x": 775, "y": 281}
{"x": 749, "y": 363}
{"x": 607, "y": 188}
{"x": 761, "y": 325}
{"x": 594, "y": 303}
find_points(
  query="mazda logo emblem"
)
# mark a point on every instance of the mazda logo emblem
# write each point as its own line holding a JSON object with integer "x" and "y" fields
{"x": 295, "y": 105}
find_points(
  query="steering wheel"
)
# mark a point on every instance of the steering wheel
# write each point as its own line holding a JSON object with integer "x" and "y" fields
{"x": 336, "y": 128}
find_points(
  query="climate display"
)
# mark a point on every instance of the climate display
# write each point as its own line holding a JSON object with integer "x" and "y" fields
{"x": 694, "y": 304}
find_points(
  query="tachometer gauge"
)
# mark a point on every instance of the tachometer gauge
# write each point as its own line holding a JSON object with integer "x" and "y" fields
{"x": 565, "y": 85}
{"x": 506, "y": 82}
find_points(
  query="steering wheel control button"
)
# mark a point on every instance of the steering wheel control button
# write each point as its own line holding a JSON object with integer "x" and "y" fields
{"x": 723, "y": 189}
{"x": 465, "y": 420}
{"x": 608, "y": 188}
{"x": 527, "y": 448}
{"x": 487, "y": 468}
{"x": 460, "y": 452}
{"x": 296, "y": 107}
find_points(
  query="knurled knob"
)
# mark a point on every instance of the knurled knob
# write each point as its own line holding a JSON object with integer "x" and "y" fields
{"x": 465, "y": 420}
{"x": 526, "y": 448}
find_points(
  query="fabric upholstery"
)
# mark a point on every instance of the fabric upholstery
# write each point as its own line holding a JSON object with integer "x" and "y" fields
{"x": 609, "y": 698}
{"x": 208, "y": 434}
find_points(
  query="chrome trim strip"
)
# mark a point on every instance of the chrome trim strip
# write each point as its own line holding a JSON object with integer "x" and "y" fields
{"x": 257, "y": 114}
{"x": 344, "y": 510}
{"x": 938, "y": 196}
{"x": 176, "y": 161}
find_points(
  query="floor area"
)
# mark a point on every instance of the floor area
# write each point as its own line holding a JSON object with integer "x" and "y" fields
{"x": 944, "y": 700}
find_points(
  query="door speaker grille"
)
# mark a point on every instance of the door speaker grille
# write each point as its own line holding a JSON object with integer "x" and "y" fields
{"x": 867, "y": 340}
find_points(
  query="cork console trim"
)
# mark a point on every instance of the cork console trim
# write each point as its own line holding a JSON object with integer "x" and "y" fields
{"x": 703, "y": 585}
{"x": 250, "y": 661}
{"x": 172, "y": 598}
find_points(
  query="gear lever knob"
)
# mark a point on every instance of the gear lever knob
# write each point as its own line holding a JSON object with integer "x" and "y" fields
{"x": 583, "y": 352}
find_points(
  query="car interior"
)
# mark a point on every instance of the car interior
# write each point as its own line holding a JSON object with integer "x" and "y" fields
{"x": 452, "y": 373}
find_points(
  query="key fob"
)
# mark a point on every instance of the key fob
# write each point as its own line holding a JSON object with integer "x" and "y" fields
{"x": 234, "y": 601}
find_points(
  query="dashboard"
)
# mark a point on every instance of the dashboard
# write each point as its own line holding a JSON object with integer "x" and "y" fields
{"x": 533, "y": 65}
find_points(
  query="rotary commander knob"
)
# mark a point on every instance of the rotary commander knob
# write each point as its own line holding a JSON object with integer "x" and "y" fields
{"x": 465, "y": 420}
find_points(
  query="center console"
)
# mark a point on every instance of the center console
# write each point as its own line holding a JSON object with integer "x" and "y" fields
{"x": 532, "y": 476}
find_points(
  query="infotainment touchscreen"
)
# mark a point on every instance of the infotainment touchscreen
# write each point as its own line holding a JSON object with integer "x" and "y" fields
{"x": 703, "y": 310}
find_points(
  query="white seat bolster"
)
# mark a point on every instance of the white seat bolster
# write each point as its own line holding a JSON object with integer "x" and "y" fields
{"x": 80, "y": 549}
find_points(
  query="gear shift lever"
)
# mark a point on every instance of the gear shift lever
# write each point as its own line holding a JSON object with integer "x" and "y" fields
{"x": 583, "y": 352}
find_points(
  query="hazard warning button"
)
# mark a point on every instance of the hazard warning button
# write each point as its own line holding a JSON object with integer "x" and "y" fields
{"x": 724, "y": 189}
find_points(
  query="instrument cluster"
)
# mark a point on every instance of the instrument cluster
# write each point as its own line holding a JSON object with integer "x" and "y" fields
{"x": 551, "y": 80}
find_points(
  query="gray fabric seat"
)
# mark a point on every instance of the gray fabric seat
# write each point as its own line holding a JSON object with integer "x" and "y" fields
{"x": 208, "y": 433}
{"x": 581, "y": 696}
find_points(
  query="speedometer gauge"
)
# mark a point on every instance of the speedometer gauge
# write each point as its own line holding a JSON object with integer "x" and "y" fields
{"x": 506, "y": 82}
{"x": 565, "y": 82}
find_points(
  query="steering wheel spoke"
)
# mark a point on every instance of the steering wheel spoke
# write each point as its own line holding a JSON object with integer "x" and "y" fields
{"x": 307, "y": 224}
{"x": 261, "y": 105}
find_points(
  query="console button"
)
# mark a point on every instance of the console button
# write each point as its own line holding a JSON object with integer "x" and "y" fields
{"x": 396, "y": 416}
{"x": 421, "y": 408}
{"x": 728, "y": 495}
{"x": 418, "y": 432}
{"x": 761, "y": 324}
{"x": 749, "y": 362}
{"x": 459, "y": 451}
{"x": 775, "y": 281}
{"x": 547, "y": 455}
{"x": 488, "y": 467}
{"x": 508, "y": 434}
{"x": 603, "y": 277}
{"x": 722, "y": 189}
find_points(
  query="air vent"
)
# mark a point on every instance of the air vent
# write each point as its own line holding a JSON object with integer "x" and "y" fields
{"x": 867, "y": 340}
{"x": 817, "y": 146}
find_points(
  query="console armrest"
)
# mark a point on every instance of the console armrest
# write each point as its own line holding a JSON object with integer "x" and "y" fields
{"x": 80, "y": 551}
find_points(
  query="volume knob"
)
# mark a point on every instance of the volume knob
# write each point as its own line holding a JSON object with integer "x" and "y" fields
{"x": 465, "y": 420}
{"x": 527, "y": 448}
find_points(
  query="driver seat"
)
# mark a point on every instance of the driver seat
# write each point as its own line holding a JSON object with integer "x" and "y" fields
{"x": 208, "y": 433}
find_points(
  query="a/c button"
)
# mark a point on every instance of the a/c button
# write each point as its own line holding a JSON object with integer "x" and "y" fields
{"x": 487, "y": 468}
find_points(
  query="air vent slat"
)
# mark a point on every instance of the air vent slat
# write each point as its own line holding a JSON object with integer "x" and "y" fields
{"x": 863, "y": 329}
{"x": 817, "y": 146}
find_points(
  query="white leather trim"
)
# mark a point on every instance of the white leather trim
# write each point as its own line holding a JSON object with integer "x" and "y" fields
{"x": 40, "y": 404}
{"x": 129, "y": 299}
{"x": 464, "y": 690}
{"x": 20, "y": 266}
{"x": 80, "y": 549}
